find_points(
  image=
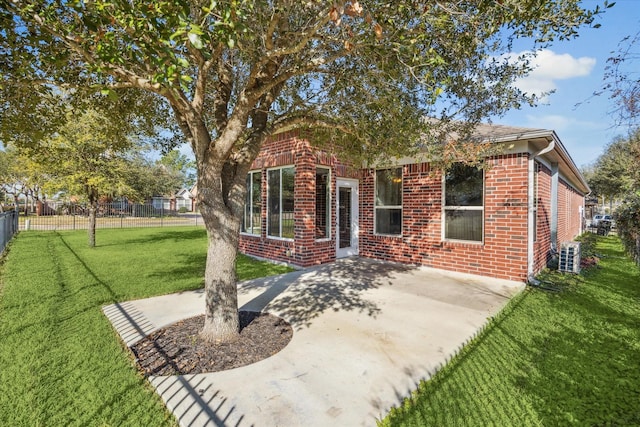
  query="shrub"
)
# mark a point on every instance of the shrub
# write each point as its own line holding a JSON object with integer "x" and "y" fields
{"x": 628, "y": 222}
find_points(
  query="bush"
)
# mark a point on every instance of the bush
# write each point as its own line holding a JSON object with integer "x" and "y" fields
{"x": 183, "y": 209}
{"x": 628, "y": 222}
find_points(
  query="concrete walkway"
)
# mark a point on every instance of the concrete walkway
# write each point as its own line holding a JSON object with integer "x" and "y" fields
{"x": 365, "y": 334}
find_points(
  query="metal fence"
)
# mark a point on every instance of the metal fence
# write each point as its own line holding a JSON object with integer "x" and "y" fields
{"x": 8, "y": 227}
{"x": 71, "y": 216}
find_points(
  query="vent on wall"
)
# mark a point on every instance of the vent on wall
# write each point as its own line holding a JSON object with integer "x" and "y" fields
{"x": 569, "y": 257}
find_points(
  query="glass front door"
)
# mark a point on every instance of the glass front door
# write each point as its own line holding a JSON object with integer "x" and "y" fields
{"x": 347, "y": 218}
{"x": 344, "y": 220}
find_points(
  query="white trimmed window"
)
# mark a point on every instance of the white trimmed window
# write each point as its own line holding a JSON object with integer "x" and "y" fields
{"x": 280, "y": 186}
{"x": 388, "y": 201}
{"x": 252, "y": 222}
{"x": 463, "y": 203}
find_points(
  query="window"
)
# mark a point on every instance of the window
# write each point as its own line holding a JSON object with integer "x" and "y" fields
{"x": 280, "y": 202}
{"x": 464, "y": 203}
{"x": 388, "y": 202}
{"x": 323, "y": 203}
{"x": 252, "y": 222}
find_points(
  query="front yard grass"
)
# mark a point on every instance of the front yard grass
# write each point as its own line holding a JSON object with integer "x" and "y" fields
{"x": 61, "y": 362}
{"x": 550, "y": 358}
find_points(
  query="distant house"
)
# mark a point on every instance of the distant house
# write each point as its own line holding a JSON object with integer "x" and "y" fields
{"x": 161, "y": 202}
{"x": 182, "y": 198}
{"x": 305, "y": 207}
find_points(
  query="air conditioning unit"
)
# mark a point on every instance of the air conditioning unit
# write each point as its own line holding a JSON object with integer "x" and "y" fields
{"x": 569, "y": 257}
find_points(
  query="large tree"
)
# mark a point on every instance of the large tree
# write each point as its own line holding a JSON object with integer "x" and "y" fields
{"x": 180, "y": 167}
{"x": 20, "y": 175}
{"x": 615, "y": 173}
{"x": 150, "y": 178}
{"x": 361, "y": 75}
{"x": 85, "y": 159}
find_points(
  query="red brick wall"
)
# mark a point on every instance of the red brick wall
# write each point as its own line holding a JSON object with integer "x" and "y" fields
{"x": 503, "y": 253}
{"x": 288, "y": 149}
{"x": 569, "y": 219}
{"x": 542, "y": 245}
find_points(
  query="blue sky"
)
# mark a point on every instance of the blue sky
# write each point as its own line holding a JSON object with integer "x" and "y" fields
{"x": 575, "y": 69}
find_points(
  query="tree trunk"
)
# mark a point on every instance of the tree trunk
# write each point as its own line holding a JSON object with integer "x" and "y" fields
{"x": 220, "y": 281}
{"x": 221, "y": 200}
{"x": 93, "y": 210}
{"x": 221, "y": 195}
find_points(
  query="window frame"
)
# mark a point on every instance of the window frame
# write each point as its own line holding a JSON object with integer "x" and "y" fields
{"x": 268, "y": 227}
{"x": 454, "y": 208}
{"x": 328, "y": 202}
{"x": 377, "y": 207}
{"x": 244, "y": 231}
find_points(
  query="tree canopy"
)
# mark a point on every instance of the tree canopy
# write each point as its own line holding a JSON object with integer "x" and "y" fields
{"x": 615, "y": 172}
{"x": 180, "y": 167}
{"x": 20, "y": 175}
{"x": 365, "y": 72}
{"x": 616, "y": 175}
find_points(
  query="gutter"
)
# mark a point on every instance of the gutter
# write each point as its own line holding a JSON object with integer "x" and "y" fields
{"x": 531, "y": 211}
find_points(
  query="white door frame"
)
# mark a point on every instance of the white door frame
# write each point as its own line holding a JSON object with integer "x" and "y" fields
{"x": 353, "y": 249}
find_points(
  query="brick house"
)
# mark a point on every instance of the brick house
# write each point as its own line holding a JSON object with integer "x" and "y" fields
{"x": 305, "y": 207}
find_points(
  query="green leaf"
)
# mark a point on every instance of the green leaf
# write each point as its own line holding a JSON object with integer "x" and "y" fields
{"x": 177, "y": 34}
{"x": 195, "y": 29}
{"x": 109, "y": 93}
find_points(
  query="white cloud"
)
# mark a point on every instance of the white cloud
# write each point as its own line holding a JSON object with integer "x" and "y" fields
{"x": 548, "y": 67}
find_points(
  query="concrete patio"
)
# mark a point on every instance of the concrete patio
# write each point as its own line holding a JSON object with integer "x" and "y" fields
{"x": 365, "y": 334}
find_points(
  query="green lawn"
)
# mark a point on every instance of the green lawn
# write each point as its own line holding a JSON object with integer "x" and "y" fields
{"x": 550, "y": 359}
{"x": 61, "y": 363}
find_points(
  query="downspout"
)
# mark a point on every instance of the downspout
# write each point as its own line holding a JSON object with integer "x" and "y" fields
{"x": 531, "y": 205}
{"x": 554, "y": 207}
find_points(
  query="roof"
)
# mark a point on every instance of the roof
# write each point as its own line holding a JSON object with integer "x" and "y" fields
{"x": 538, "y": 139}
{"x": 490, "y": 131}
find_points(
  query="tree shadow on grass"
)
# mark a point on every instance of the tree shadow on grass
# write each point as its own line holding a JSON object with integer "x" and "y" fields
{"x": 190, "y": 267}
{"x": 302, "y": 296}
{"x": 174, "y": 235}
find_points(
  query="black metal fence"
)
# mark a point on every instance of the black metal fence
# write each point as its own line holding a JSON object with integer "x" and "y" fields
{"x": 8, "y": 227}
{"x": 72, "y": 216}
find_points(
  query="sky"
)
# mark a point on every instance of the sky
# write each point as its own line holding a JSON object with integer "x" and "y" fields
{"x": 575, "y": 70}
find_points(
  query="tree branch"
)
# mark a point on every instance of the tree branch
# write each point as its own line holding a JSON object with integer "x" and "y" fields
{"x": 303, "y": 38}
{"x": 224, "y": 87}
{"x": 199, "y": 93}
{"x": 302, "y": 121}
{"x": 89, "y": 58}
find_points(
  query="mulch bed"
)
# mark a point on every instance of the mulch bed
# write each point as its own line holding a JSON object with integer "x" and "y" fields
{"x": 178, "y": 349}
